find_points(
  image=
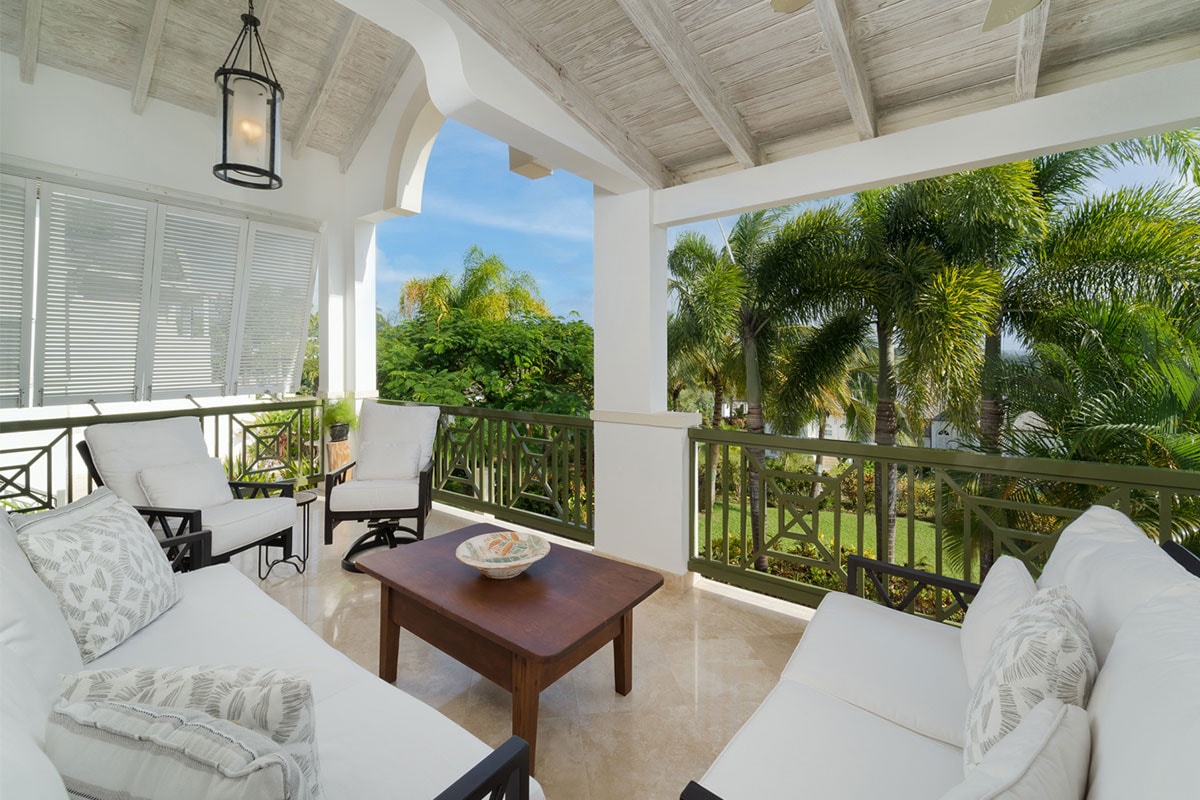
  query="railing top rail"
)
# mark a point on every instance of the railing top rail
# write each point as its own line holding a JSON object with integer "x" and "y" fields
{"x": 49, "y": 423}
{"x": 512, "y": 416}
{"x": 1094, "y": 472}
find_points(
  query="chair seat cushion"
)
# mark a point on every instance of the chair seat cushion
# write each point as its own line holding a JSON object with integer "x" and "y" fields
{"x": 850, "y": 648}
{"x": 355, "y": 495}
{"x": 242, "y": 522}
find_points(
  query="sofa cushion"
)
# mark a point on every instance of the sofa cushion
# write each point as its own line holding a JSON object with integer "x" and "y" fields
{"x": 802, "y": 742}
{"x": 32, "y": 628}
{"x": 1145, "y": 708}
{"x": 121, "y": 450}
{"x": 1007, "y": 587}
{"x": 270, "y": 701}
{"x": 388, "y": 461}
{"x": 104, "y": 566}
{"x": 384, "y": 422}
{"x": 108, "y": 750}
{"x": 195, "y": 484}
{"x": 242, "y": 522}
{"x": 1046, "y": 756}
{"x": 1102, "y": 550}
{"x": 359, "y": 495}
{"x": 26, "y": 772}
{"x": 1041, "y": 651}
{"x": 850, "y": 648}
{"x": 363, "y": 724}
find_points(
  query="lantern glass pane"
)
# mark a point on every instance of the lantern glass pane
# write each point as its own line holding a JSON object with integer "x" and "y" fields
{"x": 249, "y": 123}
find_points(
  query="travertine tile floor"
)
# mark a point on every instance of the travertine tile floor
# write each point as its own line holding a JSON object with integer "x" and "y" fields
{"x": 703, "y": 660}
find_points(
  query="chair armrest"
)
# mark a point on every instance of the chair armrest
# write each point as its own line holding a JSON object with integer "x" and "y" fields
{"x": 694, "y": 791}
{"x": 425, "y": 490}
{"x": 244, "y": 490}
{"x": 875, "y": 570}
{"x": 502, "y": 775}
{"x": 337, "y": 477}
{"x": 188, "y": 551}
{"x": 171, "y": 521}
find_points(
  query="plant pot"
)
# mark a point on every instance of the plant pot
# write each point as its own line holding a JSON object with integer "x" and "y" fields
{"x": 338, "y": 431}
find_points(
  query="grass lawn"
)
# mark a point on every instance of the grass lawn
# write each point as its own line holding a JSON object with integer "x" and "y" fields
{"x": 924, "y": 537}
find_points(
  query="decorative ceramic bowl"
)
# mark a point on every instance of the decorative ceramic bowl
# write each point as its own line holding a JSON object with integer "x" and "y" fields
{"x": 503, "y": 554}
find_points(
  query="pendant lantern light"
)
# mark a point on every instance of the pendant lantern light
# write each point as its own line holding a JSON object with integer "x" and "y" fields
{"x": 249, "y": 112}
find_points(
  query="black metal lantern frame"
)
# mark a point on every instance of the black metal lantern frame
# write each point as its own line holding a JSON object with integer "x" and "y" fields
{"x": 249, "y": 112}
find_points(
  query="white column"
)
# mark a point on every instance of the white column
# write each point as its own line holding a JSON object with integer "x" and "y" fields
{"x": 331, "y": 295}
{"x": 642, "y": 474}
{"x": 360, "y": 315}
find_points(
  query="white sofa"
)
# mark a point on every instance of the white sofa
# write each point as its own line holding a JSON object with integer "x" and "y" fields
{"x": 873, "y": 702}
{"x": 373, "y": 740}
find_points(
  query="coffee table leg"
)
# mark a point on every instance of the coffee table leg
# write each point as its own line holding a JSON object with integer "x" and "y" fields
{"x": 389, "y": 637}
{"x": 525, "y": 691}
{"x": 623, "y": 654}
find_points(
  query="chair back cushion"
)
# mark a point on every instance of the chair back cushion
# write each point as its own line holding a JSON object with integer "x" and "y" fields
{"x": 385, "y": 423}
{"x": 195, "y": 484}
{"x": 121, "y": 450}
{"x": 1110, "y": 567}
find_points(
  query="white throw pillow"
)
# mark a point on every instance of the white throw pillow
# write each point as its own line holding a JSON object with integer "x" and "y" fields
{"x": 104, "y": 566}
{"x": 273, "y": 702}
{"x": 196, "y": 484}
{"x": 114, "y": 751}
{"x": 1046, "y": 756}
{"x": 387, "y": 461}
{"x": 1041, "y": 651}
{"x": 1007, "y": 587}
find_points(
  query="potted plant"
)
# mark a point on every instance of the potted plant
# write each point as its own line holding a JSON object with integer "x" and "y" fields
{"x": 339, "y": 418}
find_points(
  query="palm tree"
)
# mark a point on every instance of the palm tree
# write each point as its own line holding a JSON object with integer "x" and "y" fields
{"x": 487, "y": 289}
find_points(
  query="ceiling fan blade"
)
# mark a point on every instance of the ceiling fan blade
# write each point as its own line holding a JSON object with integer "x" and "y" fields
{"x": 1002, "y": 12}
{"x": 788, "y": 6}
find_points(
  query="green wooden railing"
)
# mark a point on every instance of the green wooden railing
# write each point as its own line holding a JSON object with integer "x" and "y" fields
{"x": 39, "y": 464}
{"x": 955, "y": 510}
{"x": 532, "y": 469}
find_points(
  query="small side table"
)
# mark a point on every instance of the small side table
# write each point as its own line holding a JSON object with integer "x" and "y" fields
{"x": 304, "y": 500}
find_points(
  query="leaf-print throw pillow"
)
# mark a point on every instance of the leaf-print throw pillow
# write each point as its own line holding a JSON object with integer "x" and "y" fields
{"x": 1042, "y": 651}
{"x": 104, "y": 566}
{"x": 273, "y": 702}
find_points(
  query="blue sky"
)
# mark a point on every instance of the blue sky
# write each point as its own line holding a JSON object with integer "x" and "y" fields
{"x": 541, "y": 226}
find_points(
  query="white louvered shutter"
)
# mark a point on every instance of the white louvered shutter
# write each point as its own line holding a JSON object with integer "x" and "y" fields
{"x": 278, "y": 301}
{"x": 196, "y": 275}
{"x": 95, "y": 257}
{"x": 16, "y": 287}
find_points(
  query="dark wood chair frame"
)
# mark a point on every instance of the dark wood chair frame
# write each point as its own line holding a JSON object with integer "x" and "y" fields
{"x": 875, "y": 572}
{"x": 383, "y": 523}
{"x": 502, "y": 775}
{"x": 186, "y": 519}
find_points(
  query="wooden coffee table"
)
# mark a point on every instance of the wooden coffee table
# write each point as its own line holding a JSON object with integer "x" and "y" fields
{"x": 522, "y": 634}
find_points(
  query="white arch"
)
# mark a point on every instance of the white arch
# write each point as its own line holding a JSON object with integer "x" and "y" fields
{"x": 415, "y": 134}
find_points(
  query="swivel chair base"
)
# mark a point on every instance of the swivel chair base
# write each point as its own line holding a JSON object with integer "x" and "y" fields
{"x": 379, "y": 534}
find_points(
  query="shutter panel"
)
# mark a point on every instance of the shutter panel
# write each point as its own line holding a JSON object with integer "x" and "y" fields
{"x": 94, "y": 266}
{"x": 277, "y": 304}
{"x": 16, "y": 287}
{"x": 198, "y": 263}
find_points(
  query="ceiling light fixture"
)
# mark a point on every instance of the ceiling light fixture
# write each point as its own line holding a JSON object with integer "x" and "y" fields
{"x": 249, "y": 112}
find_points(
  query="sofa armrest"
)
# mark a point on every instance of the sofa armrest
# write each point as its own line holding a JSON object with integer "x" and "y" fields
{"x": 874, "y": 571}
{"x": 694, "y": 791}
{"x": 188, "y": 551}
{"x": 245, "y": 490}
{"x": 503, "y": 775}
{"x": 171, "y": 521}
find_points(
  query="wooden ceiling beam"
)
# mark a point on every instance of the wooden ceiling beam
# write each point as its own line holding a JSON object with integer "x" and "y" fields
{"x": 670, "y": 41}
{"x": 31, "y": 28}
{"x": 833, "y": 17}
{"x": 1029, "y": 51}
{"x": 141, "y": 85}
{"x": 502, "y": 31}
{"x": 395, "y": 70}
{"x": 338, "y": 52}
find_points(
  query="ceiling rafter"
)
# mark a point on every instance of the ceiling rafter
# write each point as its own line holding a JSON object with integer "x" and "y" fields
{"x": 503, "y": 32}
{"x": 337, "y": 54}
{"x": 141, "y": 85}
{"x": 1029, "y": 51}
{"x": 391, "y": 76}
{"x": 670, "y": 41}
{"x": 31, "y": 28}
{"x": 850, "y": 73}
